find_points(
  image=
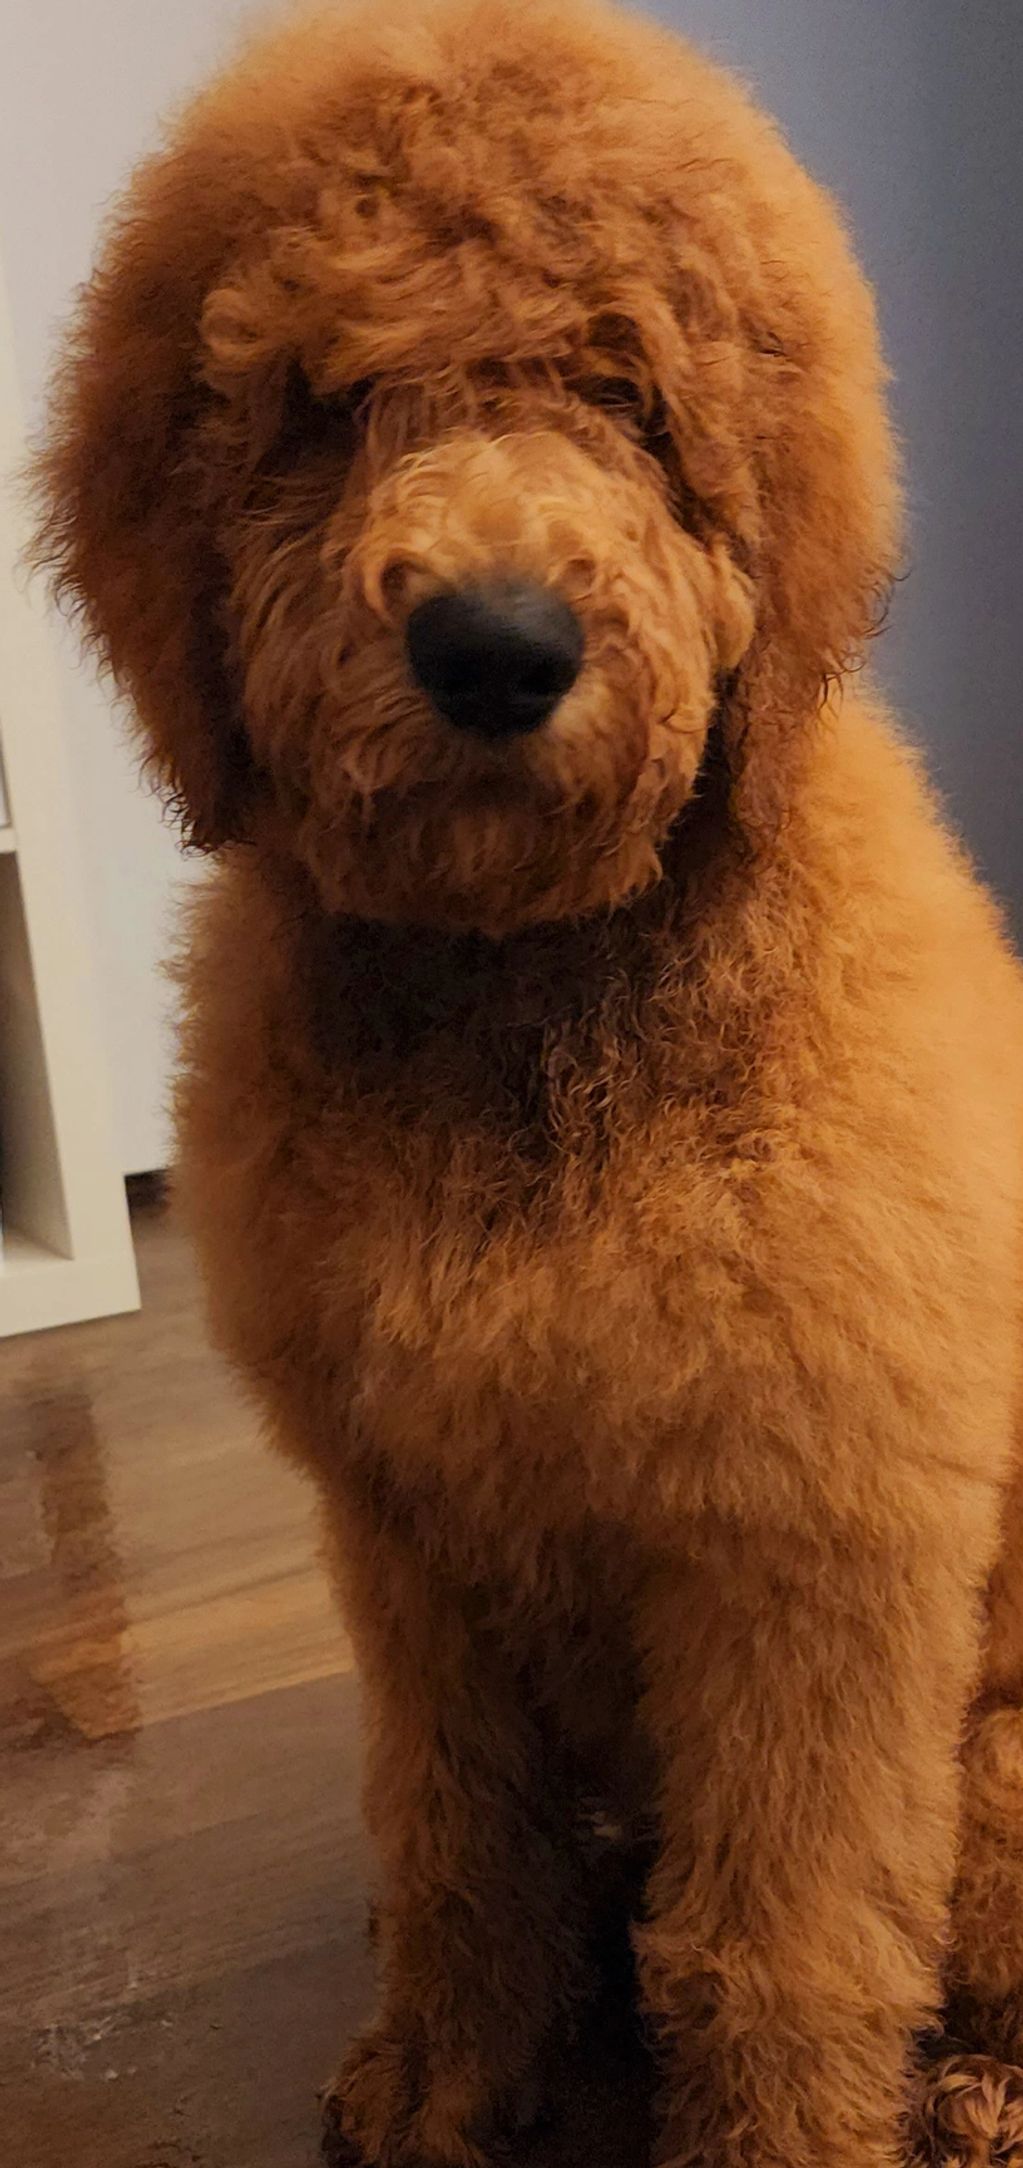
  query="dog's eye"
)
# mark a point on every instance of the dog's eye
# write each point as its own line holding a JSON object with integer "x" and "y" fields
{"x": 618, "y": 396}
{"x": 312, "y": 422}
{"x": 641, "y": 413}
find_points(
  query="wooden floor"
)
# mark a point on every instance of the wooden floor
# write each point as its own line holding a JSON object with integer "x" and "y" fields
{"x": 182, "y": 1872}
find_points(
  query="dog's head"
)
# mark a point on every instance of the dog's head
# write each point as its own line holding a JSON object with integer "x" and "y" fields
{"x": 471, "y": 405}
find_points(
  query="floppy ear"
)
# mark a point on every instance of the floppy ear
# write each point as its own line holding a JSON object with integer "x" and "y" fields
{"x": 826, "y": 538}
{"x": 766, "y": 356}
{"x": 125, "y": 525}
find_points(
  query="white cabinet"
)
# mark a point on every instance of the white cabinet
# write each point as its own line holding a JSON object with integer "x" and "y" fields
{"x": 67, "y": 1249}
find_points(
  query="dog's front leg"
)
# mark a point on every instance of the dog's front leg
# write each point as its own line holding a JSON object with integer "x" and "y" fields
{"x": 805, "y": 1711}
{"x": 481, "y": 1908}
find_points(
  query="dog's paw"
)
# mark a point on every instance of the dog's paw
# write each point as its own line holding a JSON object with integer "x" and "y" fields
{"x": 369, "y": 2108}
{"x": 377, "y": 2113}
{"x": 970, "y": 2114}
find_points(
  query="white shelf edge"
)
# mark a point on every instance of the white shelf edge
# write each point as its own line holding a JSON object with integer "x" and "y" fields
{"x": 40, "y": 1289}
{"x": 62, "y": 1182}
{"x": 20, "y": 1253}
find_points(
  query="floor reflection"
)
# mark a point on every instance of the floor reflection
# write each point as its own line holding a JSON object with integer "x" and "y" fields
{"x": 183, "y": 1872}
{"x": 81, "y": 1661}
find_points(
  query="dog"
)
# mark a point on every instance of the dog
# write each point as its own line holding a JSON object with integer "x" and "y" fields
{"x": 602, "y": 1094}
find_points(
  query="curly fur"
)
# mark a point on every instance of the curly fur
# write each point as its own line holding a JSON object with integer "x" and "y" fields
{"x": 604, "y": 1151}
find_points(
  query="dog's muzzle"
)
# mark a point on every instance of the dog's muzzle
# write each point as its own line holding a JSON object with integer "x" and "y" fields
{"x": 496, "y": 659}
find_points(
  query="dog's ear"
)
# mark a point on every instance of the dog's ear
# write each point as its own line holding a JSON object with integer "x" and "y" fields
{"x": 822, "y": 551}
{"x": 768, "y": 365}
{"x": 125, "y": 526}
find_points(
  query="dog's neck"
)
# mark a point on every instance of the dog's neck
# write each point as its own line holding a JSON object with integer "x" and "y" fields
{"x": 524, "y": 1042}
{"x": 385, "y": 993}
{"x": 546, "y": 1037}
{"x": 564, "y": 993}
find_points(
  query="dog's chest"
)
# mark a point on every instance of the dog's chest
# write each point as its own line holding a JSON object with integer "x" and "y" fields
{"x": 508, "y": 1253}
{"x": 531, "y": 1348}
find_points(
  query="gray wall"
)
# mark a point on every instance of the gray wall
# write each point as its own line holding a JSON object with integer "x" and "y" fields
{"x": 912, "y": 112}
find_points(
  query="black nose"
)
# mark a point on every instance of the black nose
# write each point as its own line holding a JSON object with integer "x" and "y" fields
{"x": 495, "y": 660}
